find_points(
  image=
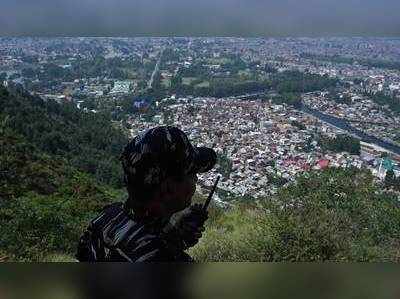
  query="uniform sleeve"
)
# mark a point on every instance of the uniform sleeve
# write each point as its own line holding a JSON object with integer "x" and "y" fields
{"x": 91, "y": 245}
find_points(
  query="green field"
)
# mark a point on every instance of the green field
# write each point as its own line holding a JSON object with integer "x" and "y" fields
{"x": 203, "y": 84}
{"x": 221, "y": 60}
{"x": 188, "y": 80}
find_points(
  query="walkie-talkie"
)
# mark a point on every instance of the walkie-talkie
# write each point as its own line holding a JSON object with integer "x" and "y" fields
{"x": 206, "y": 204}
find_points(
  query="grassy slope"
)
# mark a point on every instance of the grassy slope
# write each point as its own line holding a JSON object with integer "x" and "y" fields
{"x": 335, "y": 215}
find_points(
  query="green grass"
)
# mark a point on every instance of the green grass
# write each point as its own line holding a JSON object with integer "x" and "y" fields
{"x": 239, "y": 235}
{"x": 334, "y": 215}
{"x": 59, "y": 257}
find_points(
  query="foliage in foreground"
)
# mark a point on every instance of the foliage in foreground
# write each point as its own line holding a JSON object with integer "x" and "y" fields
{"x": 44, "y": 202}
{"x": 34, "y": 226}
{"x": 334, "y": 215}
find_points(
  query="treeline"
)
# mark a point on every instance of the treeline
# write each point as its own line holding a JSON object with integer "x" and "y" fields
{"x": 297, "y": 82}
{"x": 340, "y": 143}
{"x": 234, "y": 64}
{"x": 90, "y": 68}
{"x": 195, "y": 70}
{"x": 386, "y": 100}
{"x": 88, "y": 141}
{"x": 377, "y": 63}
{"x": 287, "y": 82}
{"x": 220, "y": 88}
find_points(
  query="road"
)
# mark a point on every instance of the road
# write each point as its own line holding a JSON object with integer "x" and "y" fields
{"x": 155, "y": 71}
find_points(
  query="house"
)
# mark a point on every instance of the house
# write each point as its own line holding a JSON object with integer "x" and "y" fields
{"x": 323, "y": 163}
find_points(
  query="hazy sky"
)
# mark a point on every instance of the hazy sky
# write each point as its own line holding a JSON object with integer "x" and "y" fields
{"x": 202, "y": 17}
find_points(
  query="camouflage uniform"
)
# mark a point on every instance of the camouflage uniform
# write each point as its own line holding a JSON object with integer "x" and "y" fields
{"x": 116, "y": 234}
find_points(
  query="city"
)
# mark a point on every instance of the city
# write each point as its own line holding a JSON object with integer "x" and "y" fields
{"x": 243, "y": 97}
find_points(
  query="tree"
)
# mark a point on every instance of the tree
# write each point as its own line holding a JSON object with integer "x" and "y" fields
{"x": 341, "y": 143}
{"x": 296, "y": 81}
{"x": 269, "y": 69}
{"x": 225, "y": 165}
{"x": 385, "y": 100}
{"x": 28, "y": 73}
{"x": 3, "y": 77}
{"x": 391, "y": 181}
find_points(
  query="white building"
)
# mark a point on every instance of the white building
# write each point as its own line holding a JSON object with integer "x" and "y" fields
{"x": 121, "y": 87}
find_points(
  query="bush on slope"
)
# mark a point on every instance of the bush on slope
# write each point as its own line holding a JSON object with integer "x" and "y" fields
{"x": 333, "y": 215}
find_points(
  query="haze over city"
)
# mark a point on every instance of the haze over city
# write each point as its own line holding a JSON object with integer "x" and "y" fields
{"x": 200, "y": 18}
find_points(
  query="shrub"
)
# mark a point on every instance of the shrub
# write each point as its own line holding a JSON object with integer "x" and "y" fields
{"x": 334, "y": 215}
{"x": 34, "y": 226}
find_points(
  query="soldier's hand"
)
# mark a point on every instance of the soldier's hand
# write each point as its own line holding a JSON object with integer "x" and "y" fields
{"x": 193, "y": 225}
{"x": 185, "y": 228}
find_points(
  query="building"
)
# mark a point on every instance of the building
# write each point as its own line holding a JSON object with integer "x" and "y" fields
{"x": 121, "y": 87}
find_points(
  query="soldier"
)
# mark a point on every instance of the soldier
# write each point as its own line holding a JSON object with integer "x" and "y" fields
{"x": 157, "y": 222}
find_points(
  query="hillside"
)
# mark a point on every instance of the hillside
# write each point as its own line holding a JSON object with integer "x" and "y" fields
{"x": 46, "y": 196}
{"x": 88, "y": 141}
{"x": 333, "y": 215}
